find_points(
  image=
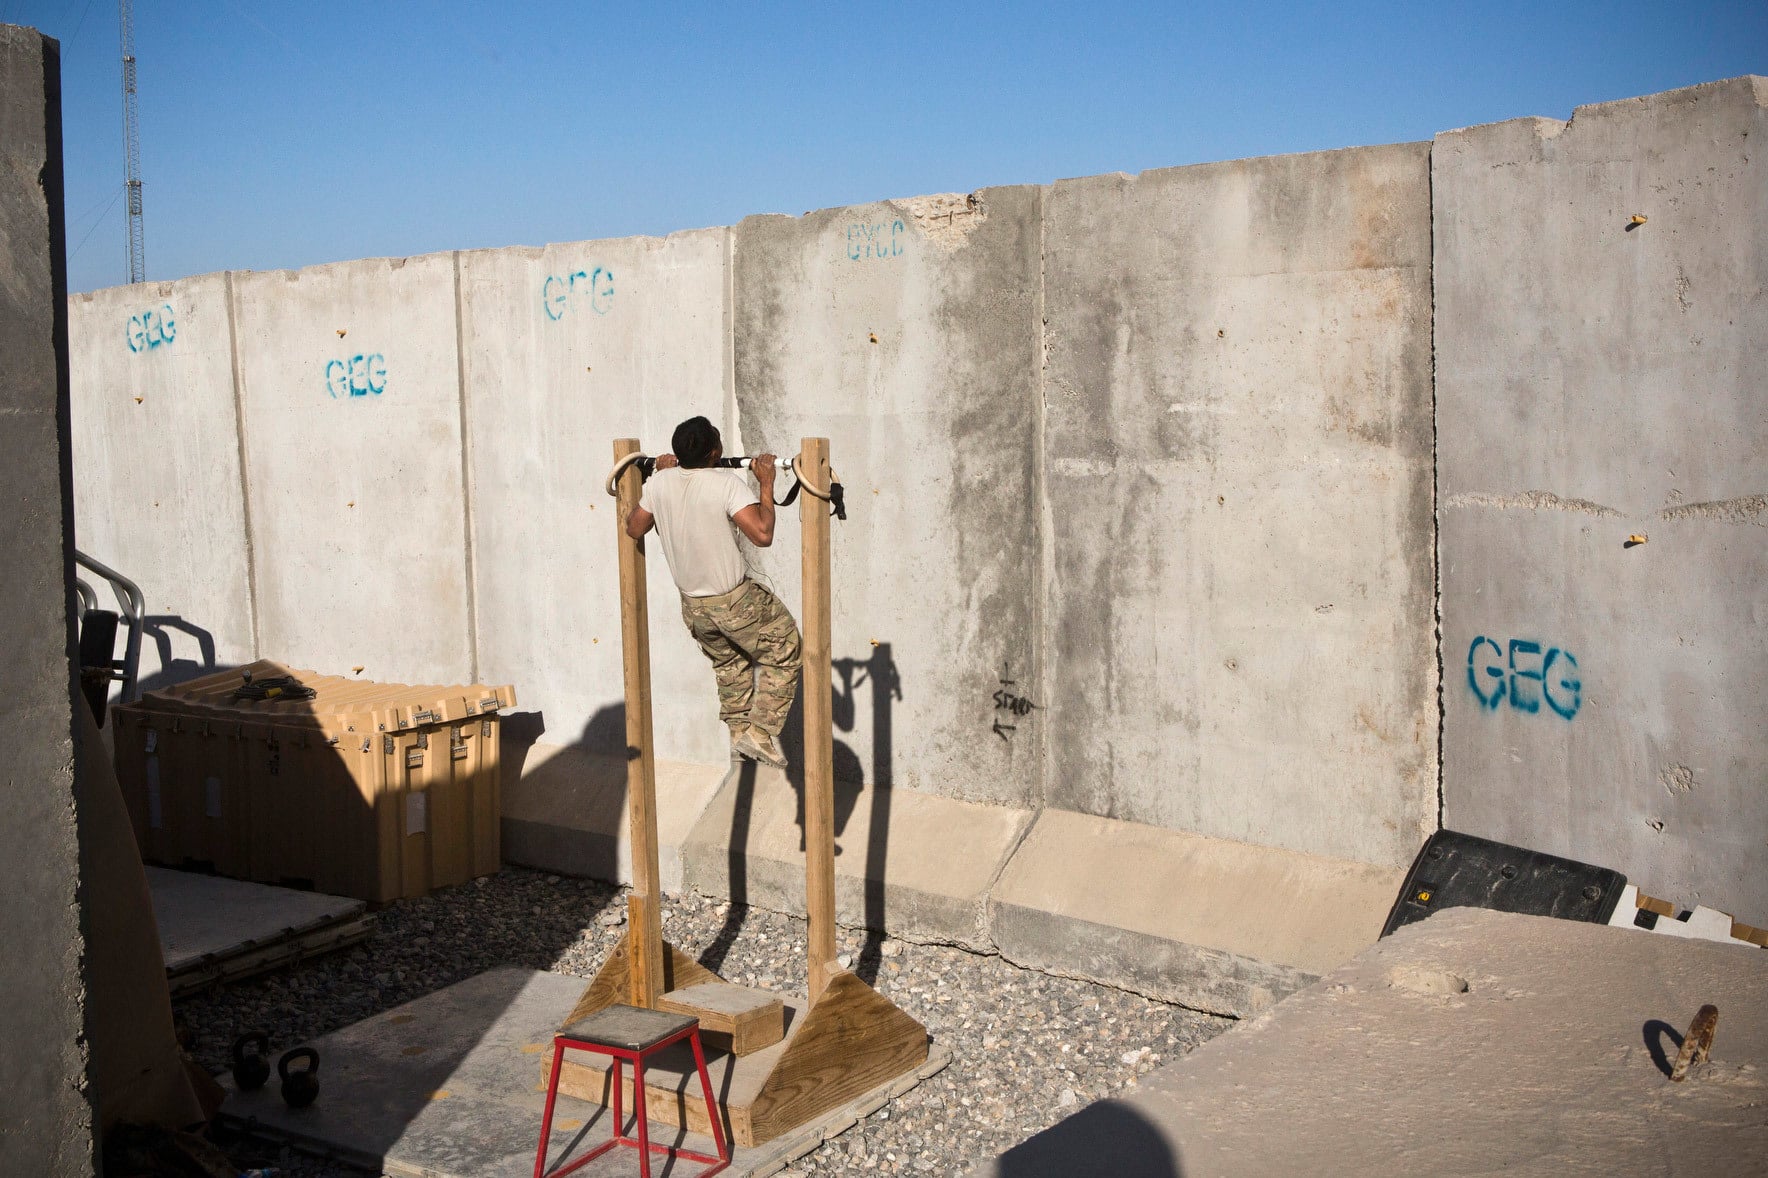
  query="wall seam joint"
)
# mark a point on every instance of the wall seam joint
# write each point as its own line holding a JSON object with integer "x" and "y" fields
{"x": 245, "y": 486}
{"x": 733, "y": 421}
{"x": 1436, "y": 503}
{"x": 466, "y": 474}
{"x": 1040, "y": 483}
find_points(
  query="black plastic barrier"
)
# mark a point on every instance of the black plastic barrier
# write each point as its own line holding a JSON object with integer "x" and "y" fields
{"x": 1456, "y": 870}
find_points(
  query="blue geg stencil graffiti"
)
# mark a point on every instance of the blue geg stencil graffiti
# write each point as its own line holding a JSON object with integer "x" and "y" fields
{"x": 560, "y": 292}
{"x": 151, "y": 329}
{"x": 875, "y": 241}
{"x": 1525, "y": 675}
{"x": 358, "y": 376}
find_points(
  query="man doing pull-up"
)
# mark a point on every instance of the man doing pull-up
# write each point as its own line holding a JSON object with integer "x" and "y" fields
{"x": 749, "y": 636}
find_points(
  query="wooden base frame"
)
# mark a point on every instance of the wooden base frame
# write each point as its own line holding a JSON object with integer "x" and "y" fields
{"x": 846, "y": 1043}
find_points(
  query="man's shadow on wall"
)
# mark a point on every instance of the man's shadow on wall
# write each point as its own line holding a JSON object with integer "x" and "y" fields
{"x": 879, "y": 675}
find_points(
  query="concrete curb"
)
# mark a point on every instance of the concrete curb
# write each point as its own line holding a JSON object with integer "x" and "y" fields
{"x": 1210, "y": 924}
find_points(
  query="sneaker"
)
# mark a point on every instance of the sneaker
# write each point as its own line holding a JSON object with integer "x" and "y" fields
{"x": 758, "y": 745}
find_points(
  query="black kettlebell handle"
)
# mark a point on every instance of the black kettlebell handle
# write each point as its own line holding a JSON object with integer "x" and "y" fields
{"x": 288, "y": 1057}
{"x": 240, "y": 1044}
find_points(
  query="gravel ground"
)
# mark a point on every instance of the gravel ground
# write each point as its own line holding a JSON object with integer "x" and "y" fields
{"x": 1027, "y": 1048}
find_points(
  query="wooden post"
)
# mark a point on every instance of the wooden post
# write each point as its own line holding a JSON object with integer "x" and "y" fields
{"x": 644, "y": 916}
{"x": 819, "y": 733}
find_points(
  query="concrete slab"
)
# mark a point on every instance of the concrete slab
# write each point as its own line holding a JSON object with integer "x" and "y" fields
{"x": 350, "y": 391}
{"x": 565, "y": 349}
{"x": 207, "y": 918}
{"x": 1597, "y": 380}
{"x": 449, "y": 1086}
{"x": 913, "y": 864}
{"x": 567, "y": 813}
{"x": 1215, "y": 925}
{"x": 157, "y": 490}
{"x": 1473, "y": 1042}
{"x": 907, "y": 332}
{"x": 1238, "y": 476}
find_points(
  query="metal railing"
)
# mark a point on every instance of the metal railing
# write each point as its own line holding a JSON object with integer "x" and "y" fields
{"x": 134, "y": 611}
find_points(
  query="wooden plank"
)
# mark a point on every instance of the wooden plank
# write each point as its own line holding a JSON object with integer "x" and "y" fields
{"x": 644, "y": 914}
{"x": 718, "y": 1003}
{"x": 852, "y": 1040}
{"x": 746, "y": 1020}
{"x": 819, "y": 732}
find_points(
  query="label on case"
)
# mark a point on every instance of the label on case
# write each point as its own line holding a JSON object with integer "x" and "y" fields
{"x": 212, "y": 797}
{"x": 416, "y": 811}
{"x": 154, "y": 817}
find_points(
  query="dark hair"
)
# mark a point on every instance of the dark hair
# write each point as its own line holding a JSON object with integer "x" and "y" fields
{"x": 694, "y": 441}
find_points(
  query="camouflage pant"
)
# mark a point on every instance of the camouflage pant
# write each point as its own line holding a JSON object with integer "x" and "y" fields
{"x": 755, "y": 651}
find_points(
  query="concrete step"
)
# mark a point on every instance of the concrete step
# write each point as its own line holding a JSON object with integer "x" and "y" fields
{"x": 1210, "y": 923}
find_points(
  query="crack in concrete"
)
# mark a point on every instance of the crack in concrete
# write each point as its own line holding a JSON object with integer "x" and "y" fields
{"x": 1529, "y": 501}
{"x": 1745, "y": 510}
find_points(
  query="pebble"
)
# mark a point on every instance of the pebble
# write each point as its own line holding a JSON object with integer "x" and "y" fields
{"x": 1027, "y": 1048}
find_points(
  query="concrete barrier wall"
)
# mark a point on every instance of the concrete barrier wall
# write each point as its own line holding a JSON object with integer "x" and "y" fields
{"x": 1139, "y": 473}
{"x": 1597, "y": 380}
{"x": 349, "y": 378}
{"x": 48, "y": 1120}
{"x": 158, "y": 494}
{"x": 566, "y": 349}
{"x": 1239, "y": 453}
{"x": 907, "y": 332}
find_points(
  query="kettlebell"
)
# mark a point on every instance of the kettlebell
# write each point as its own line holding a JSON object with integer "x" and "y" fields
{"x": 299, "y": 1088}
{"x": 251, "y": 1065}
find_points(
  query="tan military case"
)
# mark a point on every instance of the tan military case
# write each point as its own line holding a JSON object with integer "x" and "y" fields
{"x": 372, "y": 790}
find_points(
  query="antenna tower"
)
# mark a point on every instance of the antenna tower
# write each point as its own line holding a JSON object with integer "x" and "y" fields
{"x": 132, "y": 147}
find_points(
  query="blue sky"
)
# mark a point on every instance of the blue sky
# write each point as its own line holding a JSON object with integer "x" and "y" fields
{"x": 281, "y": 135}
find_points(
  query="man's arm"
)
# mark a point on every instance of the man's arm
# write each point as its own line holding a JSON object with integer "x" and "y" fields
{"x": 756, "y": 521}
{"x": 642, "y": 521}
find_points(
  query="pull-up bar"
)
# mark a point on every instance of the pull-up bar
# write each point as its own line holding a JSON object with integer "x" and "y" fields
{"x": 810, "y": 467}
{"x": 830, "y": 493}
{"x": 848, "y": 1038}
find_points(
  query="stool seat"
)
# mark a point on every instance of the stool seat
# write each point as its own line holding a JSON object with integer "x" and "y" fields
{"x": 630, "y": 1028}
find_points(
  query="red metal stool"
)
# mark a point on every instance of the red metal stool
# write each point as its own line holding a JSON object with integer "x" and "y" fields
{"x": 629, "y": 1034}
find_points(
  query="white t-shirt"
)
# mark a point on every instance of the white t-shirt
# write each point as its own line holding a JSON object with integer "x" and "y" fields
{"x": 693, "y": 510}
